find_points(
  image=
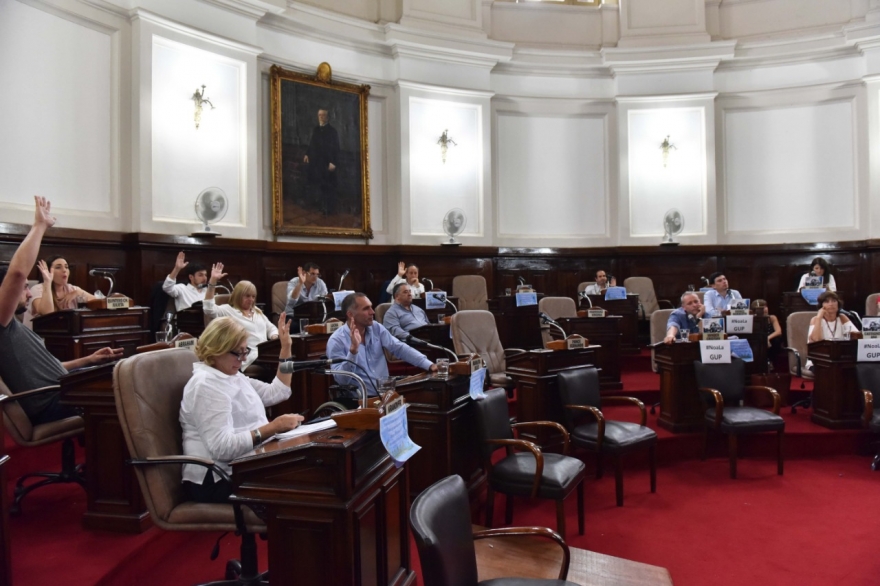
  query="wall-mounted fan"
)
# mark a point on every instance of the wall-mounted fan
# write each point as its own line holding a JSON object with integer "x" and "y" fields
{"x": 211, "y": 206}
{"x": 454, "y": 223}
{"x": 673, "y": 224}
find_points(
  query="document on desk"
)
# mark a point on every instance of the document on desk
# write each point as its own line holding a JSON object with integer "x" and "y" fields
{"x": 395, "y": 436}
{"x": 306, "y": 429}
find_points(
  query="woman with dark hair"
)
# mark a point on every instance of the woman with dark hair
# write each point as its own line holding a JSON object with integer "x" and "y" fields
{"x": 409, "y": 274}
{"x": 55, "y": 273}
{"x": 820, "y": 269}
{"x": 828, "y": 323}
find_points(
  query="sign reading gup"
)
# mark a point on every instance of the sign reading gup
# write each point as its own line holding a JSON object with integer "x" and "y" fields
{"x": 739, "y": 324}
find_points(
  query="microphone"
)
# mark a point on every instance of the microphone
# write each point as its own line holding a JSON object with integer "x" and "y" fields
{"x": 428, "y": 281}
{"x": 291, "y": 366}
{"x": 587, "y": 297}
{"x": 413, "y": 341}
{"x": 852, "y": 315}
{"x": 344, "y": 274}
{"x": 705, "y": 280}
{"x": 550, "y": 321}
{"x": 106, "y": 275}
{"x": 522, "y": 281}
{"x": 448, "y": 302}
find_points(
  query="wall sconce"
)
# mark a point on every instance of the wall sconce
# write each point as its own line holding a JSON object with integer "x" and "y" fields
{"x": 666, "y": 146}
{"x": 444, "y": 143}
{"x": 199, "y": 99}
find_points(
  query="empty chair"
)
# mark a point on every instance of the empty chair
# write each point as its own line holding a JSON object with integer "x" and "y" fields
{"x": 471, "y": 292}
{"x": 148, "y": 389}
{"x": 797, "y": 325}
{"x": 658, "y": 330}
{"x": 279, "y": 300}
{"x": 474, "y": 331}
{"x": 28, "y": 435}
{"x": 868, "y": 374}
{"x": 441, "y": 525}
{"x": 722, "y": 388}
{"x": 555, "y": 307}
{"x": 648, "y": 302}
{"x": 529, "y": 473}
{"x": 579, "y": 391}
{"x": 871, "y": 305}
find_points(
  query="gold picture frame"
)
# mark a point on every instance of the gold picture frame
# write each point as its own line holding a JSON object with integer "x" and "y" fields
{"x": 320, "y": 160}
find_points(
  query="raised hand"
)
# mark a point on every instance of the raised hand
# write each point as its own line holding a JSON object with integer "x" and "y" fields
{"x": 301, "y": 274}
{"x": 217, "y": 272}
{"x": 284, "y": 333}
{"x": 180, "y": 263}
{"x": 401, "y": 269}
{"x": 43, "y": 212}
{"x": 356, "y": 338}
{"x": 44, "y": 271}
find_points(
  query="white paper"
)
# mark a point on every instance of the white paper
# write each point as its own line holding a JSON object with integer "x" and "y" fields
{"x": 338, "y": 297}
{"x": 306, "y": 429}
{"x": 435, "y": 299}
{"x": 395, "y": 436}
{"x": 869, "y": 351}
{"x": 739, "y": 324}
{"x": 478, "y": 380}
{"x": 715, "y": 351}
{"x": 523, "y": 299}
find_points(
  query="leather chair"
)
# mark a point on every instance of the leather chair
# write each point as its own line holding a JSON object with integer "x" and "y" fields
{"x": 583, "y": 285}
{"x": 471, "y": 292}
{"x": 868, "y": 374}
{"x": 148, "y": 389}
{"x": 475, "y": 331}
{"x": 579, "y": 391}
{"x": 658, "y": 330}
{"x": 722, "y": 388}
{"x": 279, "y": 300}
{"x": 648, "y": 302}
{"x": 797, "y": 325}
{"x": 871, "y": 305}
{"x": 28, "y": 435}
{"x": 555, "y": 307}
{"x": 381, "y": 310}
{"x": 440, "y": 520}
{"x": 530, "y": 473}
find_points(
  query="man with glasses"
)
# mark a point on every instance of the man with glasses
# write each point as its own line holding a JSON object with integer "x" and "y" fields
{"x": 308, "y": 286}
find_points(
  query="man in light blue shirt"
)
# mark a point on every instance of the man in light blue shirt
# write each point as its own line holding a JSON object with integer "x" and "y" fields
{"x": 362, "y": 343}
{"x": 685, "y": 317}
{"x": 403, "y": 317}
{"x": 719, "y": 298}
{"x": 306, "y": 287}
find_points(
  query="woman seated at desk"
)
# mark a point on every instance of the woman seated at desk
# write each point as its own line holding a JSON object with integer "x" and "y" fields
{"x": 409, "y": 274}
{"x": 55, "y": 273}
{"x": 223, "y": 412}
{"x": 820, "y": 269}
{"x": 828, "y": 323}
{"x": 242, "y": 307}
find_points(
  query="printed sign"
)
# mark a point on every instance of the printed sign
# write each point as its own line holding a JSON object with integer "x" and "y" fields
{"x": 188, "y": 343}
{"x": 338, "y": 297}
{"x": 739, "y": 306}
{"x": 813, "y": 281}
{"x": 740, "y": 324}
{"x": 742, "y": 350}
{"x": 117, "y": 302}
{"x": 598, "y": 312}
{"x": 871, "y": 327}
{"x": 435, "y": 299}
{"x": 615, "y": 293}
{"x": 712, "y": 352}
{"x": 574, "y": 343}
{"x": 811, "y": 296}
{"x": 395, "y": 436}
{"x": 868, "y": 350}
{"x": 524, "y": 299}
{"x": 478, "y": 381}
{"x": 713, "y": 328}
{"x": 476, "y": 363}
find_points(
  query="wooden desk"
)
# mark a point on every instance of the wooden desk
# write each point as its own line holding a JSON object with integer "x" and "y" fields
{"x": 628, "y": 310}
{"x": 601, "y": 331}
{"x": 191, "y": 320}
{"x": 437, "y": 334}
{"x": 74, "y": 333}
{"x": 534, "y": 557}
{"x": 317, "y": 312}
{"x": 114, "y": 500}
{"x": 518, "y": 327}
{"x": 309, "y": 388}
{"x": 335, "y": 506}
{"x": 433, "y": 313}
{"x": 442, "y": 419}
{"x": 837, "y": 401}
{"x": 792, "y": 301}
{"x": 537, "y": 391}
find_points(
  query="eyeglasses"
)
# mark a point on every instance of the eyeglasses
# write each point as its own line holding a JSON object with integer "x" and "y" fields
{"x": 241, "y": 355}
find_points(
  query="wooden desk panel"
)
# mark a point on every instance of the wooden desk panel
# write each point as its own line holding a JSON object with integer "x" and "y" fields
{"x": 75, "y": 333}
{"x": 837, "y": 401}
{"x": 681, "y": 409}
{"x": 518, "y": 327}
{"x": 605, "y": 333}
{"x": 628, "y": 310}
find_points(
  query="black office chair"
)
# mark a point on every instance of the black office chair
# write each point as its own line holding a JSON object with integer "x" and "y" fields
{"x": 440, "y": 520}
{"x": 579, "y": 391}
{"x": 723, "y": 389}
{"x": 868, "y": 374}
{"x": 533, "y": 474}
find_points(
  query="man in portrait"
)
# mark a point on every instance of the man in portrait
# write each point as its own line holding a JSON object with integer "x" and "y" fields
{"x": 322, "y": 158}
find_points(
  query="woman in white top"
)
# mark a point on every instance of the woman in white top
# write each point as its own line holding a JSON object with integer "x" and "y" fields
{"x": 408, "y": 274}
{"x": 55, "y": 273}
{"x": 828, "y": 324}
{"x": 223, "y": 412}
{"x": 820, "y": 269}
{"x": 242, "y": 307}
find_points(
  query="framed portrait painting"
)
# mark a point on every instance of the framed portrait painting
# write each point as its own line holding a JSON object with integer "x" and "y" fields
{"x": 320, "y": 171}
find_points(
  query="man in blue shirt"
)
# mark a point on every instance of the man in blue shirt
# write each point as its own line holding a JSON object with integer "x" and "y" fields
{"x": 685, "y": 317}
{"x": 403, "y": 317}
{"x": 362, "y": 343}
{"x": 307, "y": 286}
{"x": 719, "y": 298}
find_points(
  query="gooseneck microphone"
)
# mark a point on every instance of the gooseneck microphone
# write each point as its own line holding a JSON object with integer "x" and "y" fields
{"x": 852, "y": 315}
{"x": 292, "y": 366}
{"x": 551, "y": 322}
{"x": 522, "y": 281}
{"x": 413, "y": 341}
{"x": 107, "y": 275}
{"x": 428, "y": 281}
{"x": 344, "y": 274}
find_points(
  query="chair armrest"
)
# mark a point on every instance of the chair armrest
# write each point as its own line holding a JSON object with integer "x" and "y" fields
{"x": 660, "y": 303}
{"x": 30, "y": 393}
{"x": 719, "y": 403}
{"x": 536, "y": 452}
{"x": 797, "y": 355}
{"x": 158, "y": 460}
{"x": 528, "y": 532}
{"x": 600, "y": 420}
{"x": 773, "y": 393}
{"x": 553, "y": 424}
{"x": 869, "y": 407}
{"x": 631, "y": 401}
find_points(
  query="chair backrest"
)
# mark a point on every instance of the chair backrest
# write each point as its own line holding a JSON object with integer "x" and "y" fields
{"x": 279, "y": 297}
{"x": 493, "y": 421}
{"x": 475, "y": 331}
{"x": 441, "y": 524}
{"x": 471, "y": 292}
{"x": 381, "y": 310}
{"x": 583, "y": 285}
{"x": 222, "y": 299}
{"x": 578, "y": 387}
{"x": 729, "y": 379}
{"x": 797, "y": 325}
{"x": 868, "y": 374}
{"x": 658, "y": 330}
{"x": 18, "y": 425}
{"x": 148, "y": 389}
{"x": 701, "y": 295}
{"x": 555, "y": 307}
{"x": 871, "y": 305}
{"x": 644, "y": 287}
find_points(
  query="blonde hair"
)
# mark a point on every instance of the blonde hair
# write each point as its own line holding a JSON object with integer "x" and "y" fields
{"x": 222, "y": 335}
{"x": 241, "y": 289}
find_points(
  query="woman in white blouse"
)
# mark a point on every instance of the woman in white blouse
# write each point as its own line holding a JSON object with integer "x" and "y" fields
{"x": 828, "y": 323}
{"x": 242, "y": 306}
{"x": 409, "y": 274}
{"x": 820, "y": 269}
{"x": 223, "y": 412}
{"x": 54, "y": 293}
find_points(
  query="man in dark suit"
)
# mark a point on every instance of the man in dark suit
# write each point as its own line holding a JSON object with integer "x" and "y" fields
{"x": 322, "y": 158}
